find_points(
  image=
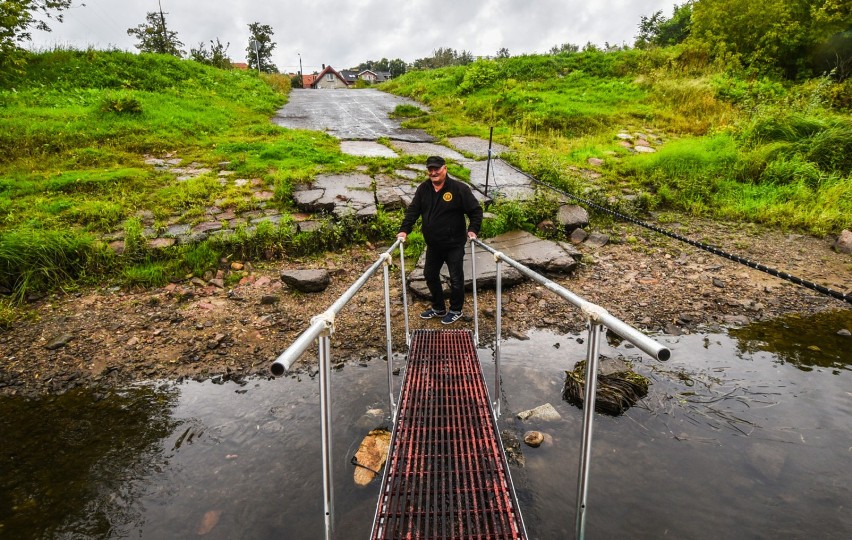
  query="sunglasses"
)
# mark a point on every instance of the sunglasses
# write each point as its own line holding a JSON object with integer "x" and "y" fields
{"x": 433, "y": 169}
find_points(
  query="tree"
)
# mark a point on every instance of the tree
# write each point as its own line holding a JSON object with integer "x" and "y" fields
{"x": 397, "y": 67}
{"x": 771, "y": 35}
{"x": 261, "y": 34}
{"x": 154, "y": 37}
{"x": 216, "y": 57}
{"x": 442, "y": 57}
{"x": 564, "y": 48}
{"x": 657, "y": 30}
{"x": 503, "y": 52}
{"x": 17, "y": 17}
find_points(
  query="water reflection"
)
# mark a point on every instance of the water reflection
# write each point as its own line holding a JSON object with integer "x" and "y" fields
{"x": 71, "y": 463}
{"x": 805, "y": 342}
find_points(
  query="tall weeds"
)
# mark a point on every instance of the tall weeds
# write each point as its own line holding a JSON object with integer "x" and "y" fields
{"x": 34, "y": 261}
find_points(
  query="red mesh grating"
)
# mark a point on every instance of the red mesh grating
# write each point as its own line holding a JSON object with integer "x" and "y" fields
{"x": 446, "y": 473}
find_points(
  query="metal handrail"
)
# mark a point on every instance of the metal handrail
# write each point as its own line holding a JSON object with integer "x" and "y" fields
{"x": 596, "y": 319}
{"x": 321, "y": 328}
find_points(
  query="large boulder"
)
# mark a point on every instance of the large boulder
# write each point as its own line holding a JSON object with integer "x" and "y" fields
{"x": 843, "y": 244}
{"x": 544, "y": 256}
{"x": 306, "y": 280}
{"x": 571, "y": 216}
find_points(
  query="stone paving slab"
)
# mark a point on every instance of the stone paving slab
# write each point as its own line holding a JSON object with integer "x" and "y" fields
{"x": 503, "y": 179}
{"x": 366, "y": 149}
{"x": 476, "y": 146}
{"x": 428, "y": 149}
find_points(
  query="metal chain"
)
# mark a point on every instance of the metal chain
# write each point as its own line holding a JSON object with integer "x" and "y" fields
{"x": 714, "y": 250}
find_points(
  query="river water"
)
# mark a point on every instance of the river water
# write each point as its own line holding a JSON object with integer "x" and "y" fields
{"x": 744, "y": 434}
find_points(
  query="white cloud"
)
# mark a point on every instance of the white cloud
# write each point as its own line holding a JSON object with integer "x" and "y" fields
{"x": 345, "y": 33}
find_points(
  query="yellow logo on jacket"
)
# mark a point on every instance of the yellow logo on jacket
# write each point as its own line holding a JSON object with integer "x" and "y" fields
{"x": 448, "y": 196}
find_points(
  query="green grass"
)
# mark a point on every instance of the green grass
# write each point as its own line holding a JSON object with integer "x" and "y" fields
{"x": 732, "y": 148}
{"x": 77, "y": 126}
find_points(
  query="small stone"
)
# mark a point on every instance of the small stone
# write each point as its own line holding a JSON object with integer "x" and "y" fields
{"x": 533, "y": 438}
{"x": 237, "y": 266}
{"x": 269, "y": 299}
{"x": 58, "y": 342}
{"x": 597, "y": 239}
{"x": 844, "y": 332}
{"x": 544, "y": 412}
{"x": 578, "y": 236}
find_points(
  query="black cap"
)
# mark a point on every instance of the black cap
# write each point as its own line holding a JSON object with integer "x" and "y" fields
{"x": 435, "y": 161}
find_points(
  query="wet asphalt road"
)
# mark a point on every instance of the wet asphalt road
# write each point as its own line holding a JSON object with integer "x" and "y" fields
{"x": 348, "y": 114}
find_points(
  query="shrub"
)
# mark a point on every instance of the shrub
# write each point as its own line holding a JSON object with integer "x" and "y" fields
{"x": 278, "y": 82}
{"x": 479, "y": 74}
{"x": 121, "y": 104}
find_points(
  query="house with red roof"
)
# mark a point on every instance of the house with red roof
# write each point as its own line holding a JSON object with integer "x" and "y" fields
{"x": 330, "y": 78}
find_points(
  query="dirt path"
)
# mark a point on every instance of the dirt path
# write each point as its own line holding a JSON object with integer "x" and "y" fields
{"x": 197, "y": 330}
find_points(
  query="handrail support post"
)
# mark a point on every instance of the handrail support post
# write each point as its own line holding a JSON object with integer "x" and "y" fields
{"x": 498, "y": 317}
{"x": 325, "y": 420}
{"x": 592, "y": 360}
{"x": 475, "y": 299}
{"x": 388, "y": 334}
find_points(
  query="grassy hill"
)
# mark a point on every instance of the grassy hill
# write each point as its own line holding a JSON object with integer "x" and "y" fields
{"x": 735, "y": 148}
{"x": 77, "y": 127}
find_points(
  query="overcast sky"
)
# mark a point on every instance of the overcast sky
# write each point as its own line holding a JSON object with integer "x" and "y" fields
{"x": 344, "y": 33}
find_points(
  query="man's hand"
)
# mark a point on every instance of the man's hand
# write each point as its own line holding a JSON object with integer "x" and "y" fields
{"x": 402, "y": 236}
{"x": 471, "y": 235}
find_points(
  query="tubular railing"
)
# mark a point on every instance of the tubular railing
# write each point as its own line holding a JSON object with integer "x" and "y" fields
{"x": 596, "y": 319}
{"x": 322, "y": 327}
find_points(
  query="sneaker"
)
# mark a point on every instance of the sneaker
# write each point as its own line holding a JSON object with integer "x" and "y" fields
{"x": 451, "y": 317}
{"x": 432, "y": 314}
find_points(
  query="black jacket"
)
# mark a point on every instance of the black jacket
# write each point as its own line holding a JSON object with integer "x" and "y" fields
{"x": 443, "y": 213}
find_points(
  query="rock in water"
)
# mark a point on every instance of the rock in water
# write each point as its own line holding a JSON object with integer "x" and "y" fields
{"x": 371, "y": 456}
{"x": 208, "y": 522}
{"x": 617, "y": 390}
{"x": 534, "y": 438}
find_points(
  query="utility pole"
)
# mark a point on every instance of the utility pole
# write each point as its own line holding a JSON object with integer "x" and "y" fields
{"x": 255, "y": 45}
{"x": 163, "y": 26}
{"x": 301, "y": 77}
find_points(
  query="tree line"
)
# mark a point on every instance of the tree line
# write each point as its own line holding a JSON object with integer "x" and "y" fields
{"x": 791, "y": 38}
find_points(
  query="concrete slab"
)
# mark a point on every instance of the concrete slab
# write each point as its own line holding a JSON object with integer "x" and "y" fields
{"x": 339, "y": 193}
{"x": 366, "y": 149}
{"x": 476, "y": 146}
{"x": 503, "y": 180}
{"x": 351, "y": 114}
{"x": 428, "y": 149}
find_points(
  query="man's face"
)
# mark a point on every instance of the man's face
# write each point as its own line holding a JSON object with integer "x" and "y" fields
{"x": 437, "y": 174}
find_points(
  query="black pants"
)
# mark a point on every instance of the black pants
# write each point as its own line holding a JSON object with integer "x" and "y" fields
{"x": 436, "y": 256}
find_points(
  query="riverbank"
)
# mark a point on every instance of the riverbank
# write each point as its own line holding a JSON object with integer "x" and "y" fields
{"x": 202, "y": 330}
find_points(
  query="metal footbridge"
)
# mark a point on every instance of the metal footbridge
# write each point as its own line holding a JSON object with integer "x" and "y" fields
{"x": 446, "y": 474}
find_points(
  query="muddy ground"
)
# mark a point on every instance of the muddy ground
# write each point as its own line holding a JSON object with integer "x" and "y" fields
{"x": 194, "y": 329}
